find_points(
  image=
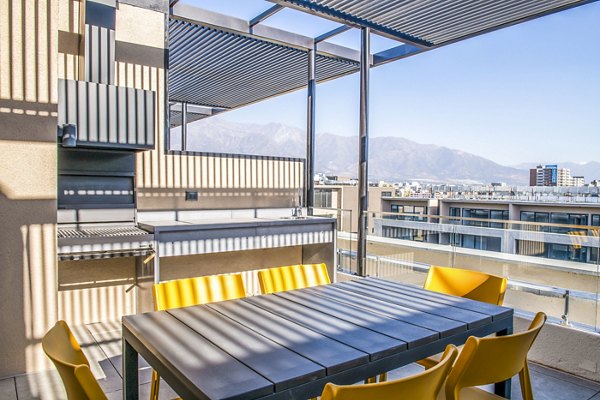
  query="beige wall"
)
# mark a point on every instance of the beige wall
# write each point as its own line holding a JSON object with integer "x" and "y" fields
{"x": 346, "y": 198}
{"x": 28, "y": 98}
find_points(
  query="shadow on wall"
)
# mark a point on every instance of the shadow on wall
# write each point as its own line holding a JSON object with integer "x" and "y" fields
{"x": 221, "y": 180}
{"x": 28, "y": 115}
{"x": 162, "y": 177}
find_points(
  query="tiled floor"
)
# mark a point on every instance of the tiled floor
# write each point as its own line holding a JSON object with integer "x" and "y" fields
{"x": 102, "y": 344}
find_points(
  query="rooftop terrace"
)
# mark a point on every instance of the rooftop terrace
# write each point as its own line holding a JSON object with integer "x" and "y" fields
{"x": 91, "y": 90}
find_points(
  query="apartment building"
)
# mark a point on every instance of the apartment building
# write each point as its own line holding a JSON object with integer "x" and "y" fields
{"x": 548, "y": 230}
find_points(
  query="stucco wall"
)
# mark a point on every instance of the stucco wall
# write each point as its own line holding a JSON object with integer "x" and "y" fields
{"x": 28, "y": 98}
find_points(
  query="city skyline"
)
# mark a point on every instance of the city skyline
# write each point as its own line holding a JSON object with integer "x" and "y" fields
{"x": 497, "y": 95}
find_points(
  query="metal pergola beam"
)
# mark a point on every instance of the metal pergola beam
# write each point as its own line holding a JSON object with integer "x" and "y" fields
{"x": 396, "y": 53}
{"x": 196, "y": 109}
{"x": 332, "y": 33}
{"x": 265, "y": 14}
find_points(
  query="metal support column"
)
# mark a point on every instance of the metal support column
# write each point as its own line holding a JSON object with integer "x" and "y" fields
{"x": 309, "y": 183}
{"x": 183, "y": 126}
{"x": 363, "y": 159}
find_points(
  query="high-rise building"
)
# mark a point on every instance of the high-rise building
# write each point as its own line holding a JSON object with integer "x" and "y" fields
{"x": 550, "y": 175}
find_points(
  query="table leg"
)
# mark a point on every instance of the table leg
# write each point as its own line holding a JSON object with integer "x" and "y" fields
{"x": 504, "y": 388}
{"x": 130, "y": 372}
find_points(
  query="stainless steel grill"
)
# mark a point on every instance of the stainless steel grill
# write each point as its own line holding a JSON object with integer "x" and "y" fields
{"x": 93, "y": 242}
{"x": 69, "y": 233}
{"x": 96, "y": 206}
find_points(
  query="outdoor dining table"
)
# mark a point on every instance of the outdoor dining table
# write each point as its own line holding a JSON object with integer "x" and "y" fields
{"x": 288, "y": 345}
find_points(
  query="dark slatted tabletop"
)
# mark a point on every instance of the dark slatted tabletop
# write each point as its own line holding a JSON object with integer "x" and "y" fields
{"x": 289, "y": 344}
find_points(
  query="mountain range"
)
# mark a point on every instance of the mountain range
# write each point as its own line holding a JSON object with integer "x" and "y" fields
{"x": 391, "y": 158}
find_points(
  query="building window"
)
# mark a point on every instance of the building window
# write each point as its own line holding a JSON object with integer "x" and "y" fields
{"x": 484, "y": 214}
{"x": 386, "y": 194}
{"x": 402, "y": 209}
{"x": 498, "y": 214}
{"x": 323, "y": 198}
{"x": 480, "y": 242}
{"x": 567, "y": 219}
{"x": 530, "y": 216}
{"x": 454, "y": 212}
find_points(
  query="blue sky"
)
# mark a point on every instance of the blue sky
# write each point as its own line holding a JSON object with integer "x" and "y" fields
{"x": 527, "y": 93}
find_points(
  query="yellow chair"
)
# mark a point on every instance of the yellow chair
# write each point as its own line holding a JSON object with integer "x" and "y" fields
{"x": 62, "y": 348}
{"x": 490, "y": 360}
{"x": 472, "y": 285}
{"x": 423, "y": 386}
{"x": 465, "y": 283}
{"x": 192, "y": 291}
{"x": 292, "y": 277}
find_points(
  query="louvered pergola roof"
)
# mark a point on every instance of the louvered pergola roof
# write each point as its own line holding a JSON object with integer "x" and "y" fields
{"x": 222, "y": 62}
{"x": 433, "y": 22}
{"x": 218, "y": 68}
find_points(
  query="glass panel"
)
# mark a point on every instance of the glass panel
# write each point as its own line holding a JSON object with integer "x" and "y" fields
{"x": 547, "y": 271}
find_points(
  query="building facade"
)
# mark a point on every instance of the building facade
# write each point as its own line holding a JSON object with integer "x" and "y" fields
{"x": 561, "y": 231}
{"x": 552, "y": 175}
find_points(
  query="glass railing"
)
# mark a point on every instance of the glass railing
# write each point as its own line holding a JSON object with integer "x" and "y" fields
{"x": 551, "y": 267}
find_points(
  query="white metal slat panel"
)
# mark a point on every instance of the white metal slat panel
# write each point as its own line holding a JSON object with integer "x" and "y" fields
{"x": 122, "y": 114}
{"x": 113, "y": 121}
{"x": 107, "y": 115}
{"x": 131, "y": 117}
{"x": 102, "y": 124}
{"x": 82, "y": 115}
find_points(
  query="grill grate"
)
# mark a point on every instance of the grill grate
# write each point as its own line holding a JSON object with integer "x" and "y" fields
{"x": 68, "y": 233}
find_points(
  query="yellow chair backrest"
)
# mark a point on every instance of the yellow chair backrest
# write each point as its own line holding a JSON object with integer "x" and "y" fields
{"x": 494, "y": 359}
{"x": 199, "y": 290}
{"x": 62, "y": 348}
{"x": 292, "y": 277}
{"x": 472, "y": 285}
{"x": 423, "y": 386}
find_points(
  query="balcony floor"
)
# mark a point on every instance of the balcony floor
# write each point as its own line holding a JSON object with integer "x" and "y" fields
{"x": 102, "y": 344}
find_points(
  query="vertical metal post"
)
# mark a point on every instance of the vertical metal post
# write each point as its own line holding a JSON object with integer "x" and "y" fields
{"x": 363, "y": 173}
{"x": 183, "y": 126}
{"x": 309, "y": 183}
